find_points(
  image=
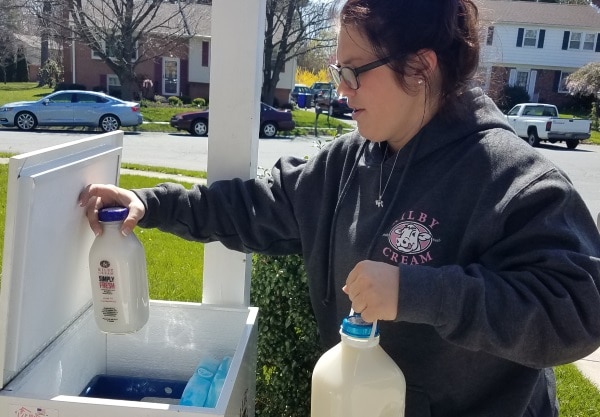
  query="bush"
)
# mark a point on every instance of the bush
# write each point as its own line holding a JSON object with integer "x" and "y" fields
{"x": 175, "y": 101}
{"x": 160, "y": 99}
{"x": 51, "y": 74}
{"x": 288, "y": 341}
{"x": 512, "y": 95}
{"x": 199, "y": 102}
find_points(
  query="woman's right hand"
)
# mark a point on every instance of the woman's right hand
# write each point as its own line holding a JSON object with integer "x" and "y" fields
{"x": 95, "y": 196}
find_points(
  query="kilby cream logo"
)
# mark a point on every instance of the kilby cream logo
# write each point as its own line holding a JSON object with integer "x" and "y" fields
{"x": 410, "y": 237}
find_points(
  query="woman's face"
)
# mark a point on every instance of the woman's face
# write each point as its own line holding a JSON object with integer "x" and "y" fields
{"x": 382, "y": 109}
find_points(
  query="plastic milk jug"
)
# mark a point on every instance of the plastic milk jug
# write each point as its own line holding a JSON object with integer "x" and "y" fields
{"x": 356, "y": 378}
{"x": 118, "y": 274}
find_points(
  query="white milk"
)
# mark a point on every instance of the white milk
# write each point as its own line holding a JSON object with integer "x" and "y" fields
{"x": 118, "y": 275}
{"x": 356, "y": 378}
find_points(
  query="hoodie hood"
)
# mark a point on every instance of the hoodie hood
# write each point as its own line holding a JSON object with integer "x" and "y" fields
{"x": 478, "y": 114}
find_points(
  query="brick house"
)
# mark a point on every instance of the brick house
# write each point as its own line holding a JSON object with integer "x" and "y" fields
{"x": 181, "y": 68}
{"x": 536, "y": 46}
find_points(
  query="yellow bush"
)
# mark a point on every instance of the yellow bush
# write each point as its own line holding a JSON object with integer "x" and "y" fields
{"x": 307, "y": 77}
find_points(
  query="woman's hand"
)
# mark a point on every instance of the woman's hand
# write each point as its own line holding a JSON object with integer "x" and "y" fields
{"x": 95, "y": 196}
{"x": 373, "y": 289}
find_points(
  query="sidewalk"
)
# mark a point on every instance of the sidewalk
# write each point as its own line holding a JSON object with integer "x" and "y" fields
{"x": 163, "y": 176}
{"x": 590, "y": 367}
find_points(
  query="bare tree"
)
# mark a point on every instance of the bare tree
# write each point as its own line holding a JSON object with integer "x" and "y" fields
{"x": 8, "y": 42}
{"x": 123, "y": 33}
{"x": 292, "y": 25}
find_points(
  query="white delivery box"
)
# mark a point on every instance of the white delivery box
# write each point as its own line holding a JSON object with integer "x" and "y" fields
{"x": 54, "y": 360}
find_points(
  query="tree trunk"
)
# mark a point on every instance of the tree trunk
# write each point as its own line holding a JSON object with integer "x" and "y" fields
{"x": 45, "y": 41}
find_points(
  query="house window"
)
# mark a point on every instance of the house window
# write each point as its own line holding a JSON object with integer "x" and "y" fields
{"x": 490, "y": 35}
{"x": 575, "y": 41}
{"x": 562, "y": 84}
{"x": 588, "y": 41}
{"x": 522, "y": 78}
{"x": 113, "y": 85}
{"x": 584, "y": 41}
{"x": 530, "y": 38}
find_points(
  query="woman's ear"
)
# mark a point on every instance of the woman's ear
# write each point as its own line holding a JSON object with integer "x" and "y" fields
{"x": 428, "y": 63}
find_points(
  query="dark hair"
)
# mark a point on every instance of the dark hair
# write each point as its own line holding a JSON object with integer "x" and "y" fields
{"x": 398, "y": 29}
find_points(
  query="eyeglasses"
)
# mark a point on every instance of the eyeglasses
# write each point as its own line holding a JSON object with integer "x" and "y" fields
{"x": 350, "y": 75}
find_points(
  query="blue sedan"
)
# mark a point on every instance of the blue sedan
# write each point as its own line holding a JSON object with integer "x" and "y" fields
{"x": 72, "y": 108}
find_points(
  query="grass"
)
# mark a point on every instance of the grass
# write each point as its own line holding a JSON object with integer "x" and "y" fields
{"x": 22, "y": 92}
{"x": 577, "y": 396}
{"x": 175, "y": 265}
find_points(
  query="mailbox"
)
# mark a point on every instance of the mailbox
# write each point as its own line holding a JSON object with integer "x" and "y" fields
{"x": 54, "y": 360}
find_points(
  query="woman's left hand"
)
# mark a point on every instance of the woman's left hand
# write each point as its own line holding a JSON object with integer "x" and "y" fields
{"x": 373, "y": 289}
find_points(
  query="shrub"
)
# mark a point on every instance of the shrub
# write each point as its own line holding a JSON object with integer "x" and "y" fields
{"x": 512, "y": 95}
{"x": 199, "y": 102}
{"x": 288, "y": 342}
{"x": 51, "y": 74}
{"x": 175, "y": 101}
{"x": 160, "y": 99}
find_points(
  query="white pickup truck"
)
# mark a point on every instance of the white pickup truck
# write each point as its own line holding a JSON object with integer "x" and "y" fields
{"x": 536, "y": 122}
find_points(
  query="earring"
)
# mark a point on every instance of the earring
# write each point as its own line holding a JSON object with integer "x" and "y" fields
{"x": 420, "y": 81}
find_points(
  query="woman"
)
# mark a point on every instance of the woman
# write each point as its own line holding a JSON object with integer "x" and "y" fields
{"x": 476, "y": 253}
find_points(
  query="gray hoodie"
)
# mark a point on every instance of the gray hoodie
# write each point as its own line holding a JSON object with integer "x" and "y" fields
{"x": 498, "y": 254}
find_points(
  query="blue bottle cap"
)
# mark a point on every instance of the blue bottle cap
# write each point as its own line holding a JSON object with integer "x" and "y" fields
{"x": 112, "y": 214}
{"x": 355, "y": 326}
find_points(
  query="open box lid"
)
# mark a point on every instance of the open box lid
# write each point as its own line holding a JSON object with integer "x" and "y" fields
{"x": 45, "y": 274}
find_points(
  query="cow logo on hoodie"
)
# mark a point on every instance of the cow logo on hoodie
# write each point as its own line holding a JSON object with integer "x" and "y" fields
{"x": 410, "y": 237}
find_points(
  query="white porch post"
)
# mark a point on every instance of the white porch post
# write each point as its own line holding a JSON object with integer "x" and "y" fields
{"x": 237, "y": 30}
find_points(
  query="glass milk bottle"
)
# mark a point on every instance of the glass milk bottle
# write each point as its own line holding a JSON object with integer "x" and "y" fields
{"x": 118, "y": 274}
{"x": 356, "y": 378}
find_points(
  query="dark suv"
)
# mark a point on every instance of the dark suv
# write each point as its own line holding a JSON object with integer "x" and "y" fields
{"x": 330, "y": 102}
{"x": 319, "y": 87}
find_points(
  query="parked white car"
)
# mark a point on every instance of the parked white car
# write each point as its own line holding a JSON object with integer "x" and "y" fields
{"x": 72, "y": 108}
{"x": 537, "y": 122}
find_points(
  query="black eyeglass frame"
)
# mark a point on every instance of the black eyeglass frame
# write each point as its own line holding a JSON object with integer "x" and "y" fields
{"x": 356, "y": 71}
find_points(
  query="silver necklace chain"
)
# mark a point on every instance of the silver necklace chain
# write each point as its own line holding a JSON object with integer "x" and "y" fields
{"x": 379, "y": 201}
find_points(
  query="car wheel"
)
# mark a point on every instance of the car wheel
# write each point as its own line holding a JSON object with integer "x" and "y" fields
{"x": 109, "y": 123}
{"x": 199, "y": 128}
{"x": 572, "y": 143}
{"x": 268, "y": 130}
{"x": 25, "y": 121}
{"x": 532, "y": 138}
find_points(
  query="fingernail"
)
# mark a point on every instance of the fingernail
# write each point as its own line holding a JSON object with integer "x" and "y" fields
{"x": 126, "y": 231}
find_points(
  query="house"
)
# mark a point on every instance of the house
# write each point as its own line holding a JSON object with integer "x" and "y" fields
{"x": 174, "y": 68}
{"x": 536, "y": 46}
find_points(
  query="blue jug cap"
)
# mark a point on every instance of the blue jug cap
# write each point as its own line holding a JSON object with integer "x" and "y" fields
{"x": 112, "y": 214}
{"x": 355, "y": 326}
